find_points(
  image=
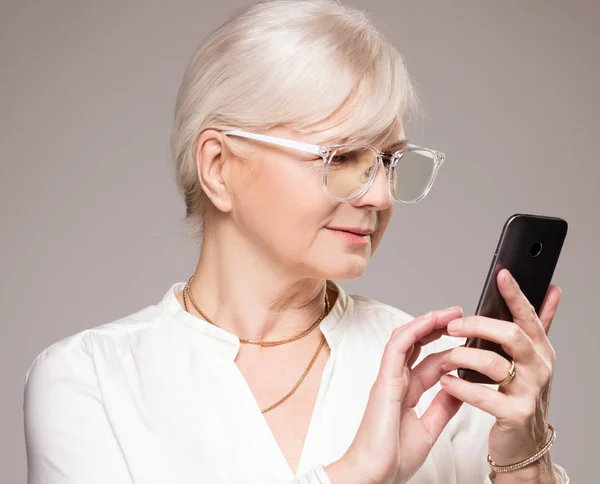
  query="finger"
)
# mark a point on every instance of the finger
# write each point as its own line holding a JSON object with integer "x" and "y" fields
{"x": 403, "y": 338}
{"x": 480, "y": 396}
{"x": 549, "y": 307}
{"x": 484, "y": 361}
{"x": 511, "y": 336}
{"x": 433, "y": 336}
{"x": 424, "y": 376}
{"x": 440, "y": 411}
{"x": 415, "y": 351}
{"x": 413, "y": 354}
{"x": 523, "y": 312}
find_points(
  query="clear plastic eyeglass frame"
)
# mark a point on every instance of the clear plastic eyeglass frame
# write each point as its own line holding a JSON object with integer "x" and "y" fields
{"x": 390, "y": 160}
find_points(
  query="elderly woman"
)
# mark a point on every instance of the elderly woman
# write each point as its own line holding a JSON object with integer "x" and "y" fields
{"x": 290, "y": 152}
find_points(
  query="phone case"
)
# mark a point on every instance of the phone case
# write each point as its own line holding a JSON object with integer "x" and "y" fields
{"x": 529, "y": 247}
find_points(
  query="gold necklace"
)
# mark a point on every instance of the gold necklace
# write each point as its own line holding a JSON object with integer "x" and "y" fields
{"x": 310, "y": 364}
{"x": 187, "y": 290}
{"x": 300, "y": 380}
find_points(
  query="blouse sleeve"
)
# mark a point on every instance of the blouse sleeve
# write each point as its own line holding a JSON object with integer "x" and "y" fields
{"x": 68, "y": 437}
{"x": 313, "y": 476}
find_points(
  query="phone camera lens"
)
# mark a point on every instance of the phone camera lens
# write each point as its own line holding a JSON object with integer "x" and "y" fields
{"x": 536, "y": 249}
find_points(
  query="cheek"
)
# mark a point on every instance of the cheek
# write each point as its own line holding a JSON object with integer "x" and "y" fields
{"x": 282, "y": 198}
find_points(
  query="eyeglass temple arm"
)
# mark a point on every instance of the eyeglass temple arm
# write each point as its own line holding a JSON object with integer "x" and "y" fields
{"x": 295, "y": 145}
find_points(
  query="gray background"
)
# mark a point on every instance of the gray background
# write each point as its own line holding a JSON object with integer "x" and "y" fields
{"x": 91, "y": 220}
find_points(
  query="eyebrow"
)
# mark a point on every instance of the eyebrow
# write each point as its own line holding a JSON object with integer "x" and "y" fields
{"x": 398, "y": 145}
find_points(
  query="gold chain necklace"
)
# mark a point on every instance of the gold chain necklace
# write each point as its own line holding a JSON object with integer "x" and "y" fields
{"x": 186, "y": 290}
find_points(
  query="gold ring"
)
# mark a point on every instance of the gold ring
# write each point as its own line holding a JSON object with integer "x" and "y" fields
{"x": 511, "y": 374}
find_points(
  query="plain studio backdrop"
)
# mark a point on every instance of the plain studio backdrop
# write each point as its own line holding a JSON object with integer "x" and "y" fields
{"x": 91, "y": 219}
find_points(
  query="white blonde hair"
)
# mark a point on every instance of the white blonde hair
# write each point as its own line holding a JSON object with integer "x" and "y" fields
{"x": 306, "y": 65}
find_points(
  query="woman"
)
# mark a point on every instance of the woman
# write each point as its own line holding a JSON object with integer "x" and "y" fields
{"x": 290, "y": 151}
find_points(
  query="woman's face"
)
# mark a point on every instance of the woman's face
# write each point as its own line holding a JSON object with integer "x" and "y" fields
{"x": 278, "y": 203}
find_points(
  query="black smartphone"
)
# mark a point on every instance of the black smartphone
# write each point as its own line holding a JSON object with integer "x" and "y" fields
{"x": 529, "y": 248}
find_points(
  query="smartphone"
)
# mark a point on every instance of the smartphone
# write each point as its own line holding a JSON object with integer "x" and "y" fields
{"x": 529, "y": 248}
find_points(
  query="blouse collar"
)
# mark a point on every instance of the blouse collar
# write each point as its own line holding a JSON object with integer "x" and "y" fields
{"x": 332, "y": 326}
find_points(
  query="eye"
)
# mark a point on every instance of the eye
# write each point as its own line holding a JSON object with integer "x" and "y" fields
{"x": 348, "y": 155}
{"x": 386, "y": 159}
{"x": 343, "y": 157}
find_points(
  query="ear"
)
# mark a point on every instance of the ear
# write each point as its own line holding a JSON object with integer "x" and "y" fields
{"x": 210, "y": 163}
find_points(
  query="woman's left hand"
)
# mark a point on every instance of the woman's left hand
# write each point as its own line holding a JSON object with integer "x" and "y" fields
{"x": 521, "y": 406}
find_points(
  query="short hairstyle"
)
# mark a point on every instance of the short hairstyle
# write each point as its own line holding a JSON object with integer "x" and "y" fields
{"x": 306, "y": 65}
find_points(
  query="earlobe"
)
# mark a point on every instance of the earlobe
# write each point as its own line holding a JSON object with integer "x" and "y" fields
{"x": 210, "y": 164}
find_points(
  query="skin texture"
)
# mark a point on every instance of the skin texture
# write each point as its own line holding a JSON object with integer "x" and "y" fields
{"x": 268, "y": 249}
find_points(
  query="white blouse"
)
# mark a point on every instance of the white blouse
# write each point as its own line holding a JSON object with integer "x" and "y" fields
{"x": 156, "y": 397}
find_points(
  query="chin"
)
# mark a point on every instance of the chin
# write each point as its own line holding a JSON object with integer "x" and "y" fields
{"x": 346, "y": 268}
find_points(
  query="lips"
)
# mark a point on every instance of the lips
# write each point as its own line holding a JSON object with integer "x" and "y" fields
{"x": 353, "y": 230}
{"x": 352, "y": 236}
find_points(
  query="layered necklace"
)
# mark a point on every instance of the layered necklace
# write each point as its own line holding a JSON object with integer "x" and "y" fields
{"x": 187, "y": 294}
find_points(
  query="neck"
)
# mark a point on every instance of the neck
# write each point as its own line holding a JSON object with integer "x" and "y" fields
{"x": 250, "y": 294}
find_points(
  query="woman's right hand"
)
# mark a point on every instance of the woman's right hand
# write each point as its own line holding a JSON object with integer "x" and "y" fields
{"x": 392, "y": 443}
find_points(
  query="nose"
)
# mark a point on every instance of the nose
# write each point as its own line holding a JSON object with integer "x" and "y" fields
{"x": 378, "y": 196}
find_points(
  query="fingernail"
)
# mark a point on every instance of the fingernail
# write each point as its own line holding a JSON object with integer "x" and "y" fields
{"x": 428, "y": 315}
{"x": 455, "y": 325}
{"x": 508, "y": 277}
{"x": 446, "y": 380}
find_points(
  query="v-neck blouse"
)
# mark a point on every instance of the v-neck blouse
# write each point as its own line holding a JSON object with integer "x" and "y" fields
{"x": 157, "y": 398}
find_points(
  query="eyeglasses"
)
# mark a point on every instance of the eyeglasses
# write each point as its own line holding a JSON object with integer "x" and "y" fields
{"x": 349, "y": 170}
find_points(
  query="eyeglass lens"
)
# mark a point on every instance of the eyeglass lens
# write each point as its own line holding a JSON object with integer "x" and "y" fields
{"x": 350, "y": 170}
{"x": 413, "y": 175}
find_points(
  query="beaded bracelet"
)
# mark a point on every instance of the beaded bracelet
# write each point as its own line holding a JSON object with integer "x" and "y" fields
{"x": 526, "y": 462}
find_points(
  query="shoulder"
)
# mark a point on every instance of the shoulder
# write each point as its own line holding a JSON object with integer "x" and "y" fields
{"x": 369, "y": 315}
{"x": 372, "y": 316}
{"x": 385, "y": 315}
{"x": 66, "y": 418}
{"x": 73, "y": 356}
